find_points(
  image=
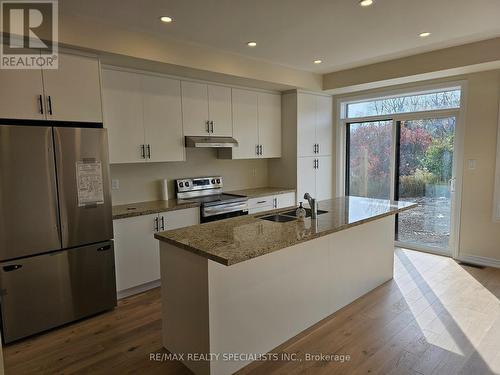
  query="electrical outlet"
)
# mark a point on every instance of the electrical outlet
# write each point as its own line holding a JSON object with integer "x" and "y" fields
{"x": 115, "y": 184}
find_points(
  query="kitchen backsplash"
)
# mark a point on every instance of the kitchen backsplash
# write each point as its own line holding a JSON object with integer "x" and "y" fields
{"x": 141, "y": 181}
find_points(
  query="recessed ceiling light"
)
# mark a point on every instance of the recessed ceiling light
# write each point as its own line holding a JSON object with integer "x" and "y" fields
{"x": 424, "y": 34}
{"x": 251, "y": 44}
{"x": 166, "y": 19}
{"x": 318, "y": 61}
{"x": 366, "y": 3}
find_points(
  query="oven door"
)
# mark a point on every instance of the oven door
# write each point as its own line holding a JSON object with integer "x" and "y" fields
{"x": 223, "y": 211}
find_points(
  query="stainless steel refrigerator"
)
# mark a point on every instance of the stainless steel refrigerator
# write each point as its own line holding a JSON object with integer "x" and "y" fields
{"x": 56, "y": 249}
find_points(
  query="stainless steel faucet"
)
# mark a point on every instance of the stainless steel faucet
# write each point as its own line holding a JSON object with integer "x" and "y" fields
{"x": 313, "y": 204}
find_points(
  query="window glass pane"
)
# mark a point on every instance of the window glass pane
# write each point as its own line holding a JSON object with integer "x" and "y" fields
{"x": 403, "y": 104}
{"x": 370, "y": 151}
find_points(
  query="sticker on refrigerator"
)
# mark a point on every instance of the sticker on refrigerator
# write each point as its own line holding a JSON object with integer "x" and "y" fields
{"x": 89, "y": 183}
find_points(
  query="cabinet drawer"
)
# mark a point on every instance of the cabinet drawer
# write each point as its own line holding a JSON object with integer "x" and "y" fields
{"x": 285, "y": 200}
{"x": 261, "y": 202}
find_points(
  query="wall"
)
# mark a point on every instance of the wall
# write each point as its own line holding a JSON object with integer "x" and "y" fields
{"x": 178, "y": 57}
{"x": 479, "y": 235}
{"x": 141, "y": 181}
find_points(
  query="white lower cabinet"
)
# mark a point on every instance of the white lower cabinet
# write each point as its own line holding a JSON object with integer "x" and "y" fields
{"x": 270, "y": 202}
{"x": 137, "y": 258}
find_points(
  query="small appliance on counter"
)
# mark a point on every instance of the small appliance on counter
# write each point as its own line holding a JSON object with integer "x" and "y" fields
{"x": 214, "y": 204}
{"x": 57, "y": 260}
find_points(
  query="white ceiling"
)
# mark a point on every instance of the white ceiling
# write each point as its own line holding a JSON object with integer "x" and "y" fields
{"x": 295, "y": 32}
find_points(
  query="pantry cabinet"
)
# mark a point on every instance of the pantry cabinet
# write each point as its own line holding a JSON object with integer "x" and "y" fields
{"x": 206, "y": 109}
{"x": 70, "y": 93}
{"x": 143, "y": 115}
{"x": 137, "y": 258}
{"x": 256, "y": 125}
{"x": 314, "y": 176}
{"x": 314, "y": 125}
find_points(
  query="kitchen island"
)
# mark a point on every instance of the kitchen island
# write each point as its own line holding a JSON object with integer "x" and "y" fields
{"x": 234, "y": 289}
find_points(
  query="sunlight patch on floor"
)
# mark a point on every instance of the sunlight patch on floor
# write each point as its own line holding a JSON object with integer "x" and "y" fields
{"x": 452, "y": 308}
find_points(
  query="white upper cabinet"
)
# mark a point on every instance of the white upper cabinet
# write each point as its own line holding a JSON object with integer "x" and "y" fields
{"x": 324, "y": 125}
{"x": 314, "y": 125}
{"x": 256, "y": 125}
{"x": 73, "y": 90}
{"x": 143, "y": 116}
{"x": 306, "y": 124}
{"x": 206, "y": 109}
{"x": 70, "y": 93}
{"x": 21, "y": 94}
{"x": 162, "y": 118}
{"x": 195, "y": 108}
{"x": 122, "y": 103}
{"x": 269, "y": 107}
{"x": 219, "y": 111}
{"x": 245, "y": 124}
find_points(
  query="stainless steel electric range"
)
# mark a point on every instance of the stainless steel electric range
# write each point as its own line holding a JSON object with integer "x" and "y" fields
{"x": 214, "y": 203}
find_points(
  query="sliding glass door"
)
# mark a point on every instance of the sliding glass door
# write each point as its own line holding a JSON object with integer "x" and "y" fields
{"x": 410, "y": 159}
{"x": 369, "y": 159}
{"x": 424, "y": 160}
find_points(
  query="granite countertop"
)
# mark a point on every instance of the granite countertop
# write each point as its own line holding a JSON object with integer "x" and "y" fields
{"x": 261, "y": 192}
{"x": 241, "y": 238}
{"x": 150, "y": 207}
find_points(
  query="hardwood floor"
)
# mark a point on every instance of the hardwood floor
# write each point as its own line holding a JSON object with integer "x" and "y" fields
{"x": 434, "y": 317}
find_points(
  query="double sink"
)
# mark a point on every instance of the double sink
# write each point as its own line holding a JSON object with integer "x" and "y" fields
{"x": 286, "y": 216}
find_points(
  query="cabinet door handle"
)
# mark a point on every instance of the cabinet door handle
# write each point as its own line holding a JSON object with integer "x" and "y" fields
{"x": 49, "y": 101}
{"x": 317, "y": 163}
{"x": 40, "y": 102}
{"x": 162, "y": 223}
{"x": 149, "y": 151}
{"x": 211, "y": 127}
{"x": 261, "y": 147}
{"x": 318, "y": 148}
{"x": 257, "y": 149}
{"x": 208, "y": 126}
{"x": 157, "y": 228}
{"x": 143, "y": 152}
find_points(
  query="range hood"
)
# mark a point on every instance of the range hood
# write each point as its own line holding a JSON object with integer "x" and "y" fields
{"x": 192, "y": 141}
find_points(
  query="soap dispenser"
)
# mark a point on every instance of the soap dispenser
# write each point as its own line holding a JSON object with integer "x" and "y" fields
{"x": 300, "y": 213}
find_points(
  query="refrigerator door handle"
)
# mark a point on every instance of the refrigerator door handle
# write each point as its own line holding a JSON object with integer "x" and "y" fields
{"x": 104, "y": 248}
{"x": 12, "y": 267}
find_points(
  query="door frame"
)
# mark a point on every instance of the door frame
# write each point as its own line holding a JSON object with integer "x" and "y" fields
{"x": 458, "y": 162}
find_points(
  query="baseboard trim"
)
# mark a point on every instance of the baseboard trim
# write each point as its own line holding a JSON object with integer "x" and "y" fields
{"x": 481, "y": 261}
{"x": 137, "y": 289}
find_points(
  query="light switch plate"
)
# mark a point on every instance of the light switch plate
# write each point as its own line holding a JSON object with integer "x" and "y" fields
{"x": 115, "y": 184}
{"x": 471, "y": 163}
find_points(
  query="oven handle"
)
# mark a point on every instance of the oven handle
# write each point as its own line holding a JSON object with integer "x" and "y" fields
{"x": 218, "y": 210}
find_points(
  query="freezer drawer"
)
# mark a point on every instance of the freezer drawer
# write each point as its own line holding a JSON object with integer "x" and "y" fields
{"x": 45, "y": 291}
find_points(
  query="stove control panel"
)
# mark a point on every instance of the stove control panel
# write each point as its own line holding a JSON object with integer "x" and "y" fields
{"x": 198, "y": 183}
